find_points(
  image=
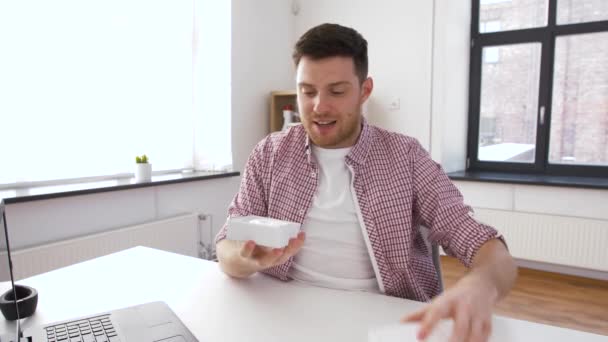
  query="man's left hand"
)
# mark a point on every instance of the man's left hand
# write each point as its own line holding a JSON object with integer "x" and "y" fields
{"x": 469, "y": 303}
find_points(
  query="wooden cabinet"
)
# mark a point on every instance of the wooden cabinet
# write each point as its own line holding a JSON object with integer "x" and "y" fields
{"x": 278, "y": 100}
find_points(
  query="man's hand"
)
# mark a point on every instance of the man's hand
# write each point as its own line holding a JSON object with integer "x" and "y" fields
{"x": 242, "y": 259}
{"x": 469, "y": 303}
{"x": 260, "y": 257}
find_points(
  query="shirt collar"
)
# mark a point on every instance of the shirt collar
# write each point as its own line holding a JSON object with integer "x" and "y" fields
{"x": 359, "y": 151}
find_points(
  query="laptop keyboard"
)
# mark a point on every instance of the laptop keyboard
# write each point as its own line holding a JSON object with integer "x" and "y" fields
{"x": 94, "y": 329}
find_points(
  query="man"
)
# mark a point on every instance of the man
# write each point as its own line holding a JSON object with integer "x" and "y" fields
{"x": 362, "y": 194}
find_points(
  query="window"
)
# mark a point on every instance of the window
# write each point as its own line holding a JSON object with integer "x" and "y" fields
{"x": 577, "y": 11}
{"x": 491, "y": 54}
{"x": 538, "y": 98}
{"x": 514, "y": 14}
{"x": 88, "y": 85}
{"x": 491, "y": 2}
{"x": 489, "y": 26}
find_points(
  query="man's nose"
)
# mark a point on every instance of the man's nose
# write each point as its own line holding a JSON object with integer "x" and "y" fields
{"x": 321, "y": 104}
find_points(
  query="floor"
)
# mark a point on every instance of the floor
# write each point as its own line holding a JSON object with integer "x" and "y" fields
{"x": 548, "y": 298}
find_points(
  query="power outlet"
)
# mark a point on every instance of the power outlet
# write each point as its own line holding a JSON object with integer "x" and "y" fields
{"x": 394, "y": 103}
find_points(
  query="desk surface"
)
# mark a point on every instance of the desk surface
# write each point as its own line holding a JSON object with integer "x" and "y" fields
{"x": 218, "y": 308}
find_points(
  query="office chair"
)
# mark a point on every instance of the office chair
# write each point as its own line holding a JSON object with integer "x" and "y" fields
{"x": 434, "y": 254}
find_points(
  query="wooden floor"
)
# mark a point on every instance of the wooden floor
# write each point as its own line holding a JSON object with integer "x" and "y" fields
{"x": 548, "y": 298}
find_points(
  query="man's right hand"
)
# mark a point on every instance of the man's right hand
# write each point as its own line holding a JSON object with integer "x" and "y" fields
{"x": 243, "y": 258}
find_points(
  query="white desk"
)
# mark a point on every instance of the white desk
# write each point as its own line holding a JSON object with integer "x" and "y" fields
{"x": 218, "y": 308}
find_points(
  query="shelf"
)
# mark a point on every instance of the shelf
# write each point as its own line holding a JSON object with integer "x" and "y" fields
{"x": 278, "y": 100}
{"x": 284, "y": 93}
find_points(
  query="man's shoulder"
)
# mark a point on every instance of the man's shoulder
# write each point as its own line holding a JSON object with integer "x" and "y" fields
{"x": 282, "y": 142}
{"x": 390, "y": 140}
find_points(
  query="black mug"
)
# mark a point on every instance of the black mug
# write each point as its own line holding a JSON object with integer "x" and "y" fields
{"x": 27, "y": 300}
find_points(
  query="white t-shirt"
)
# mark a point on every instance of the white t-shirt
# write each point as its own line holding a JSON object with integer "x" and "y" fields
{"x": 334, "y": 254}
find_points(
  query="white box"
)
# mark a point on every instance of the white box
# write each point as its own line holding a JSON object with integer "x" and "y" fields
{"x": 264, "y": 231}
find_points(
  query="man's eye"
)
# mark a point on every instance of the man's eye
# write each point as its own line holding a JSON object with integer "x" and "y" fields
{"x": 335, "y": 92}
{"x": 309, "y": 93}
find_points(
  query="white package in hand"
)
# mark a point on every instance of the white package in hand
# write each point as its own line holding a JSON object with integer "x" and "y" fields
{"x": 264, "y": 231}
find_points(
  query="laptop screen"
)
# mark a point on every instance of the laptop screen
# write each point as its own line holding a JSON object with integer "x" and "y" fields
{"x": 6, "y": 274}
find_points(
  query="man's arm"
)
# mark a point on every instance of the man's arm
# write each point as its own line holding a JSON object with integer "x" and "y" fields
{"x": 440, "y": 206}
{"x": 242, "y": 259}
{"x": 494, "y": 264}
{"x": 471, "y": 300}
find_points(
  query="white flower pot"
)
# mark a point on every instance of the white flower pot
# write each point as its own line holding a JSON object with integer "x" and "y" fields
{"x": 143, "y": 172}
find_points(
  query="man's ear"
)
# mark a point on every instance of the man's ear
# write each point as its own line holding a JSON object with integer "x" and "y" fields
{"x": 366, "y": 89}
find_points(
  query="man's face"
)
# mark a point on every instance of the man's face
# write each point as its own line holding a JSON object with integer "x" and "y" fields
{"x": 330, "y": 97}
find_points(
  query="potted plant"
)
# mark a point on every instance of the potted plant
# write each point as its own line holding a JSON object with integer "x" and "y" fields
{"x": 143, "y": 169}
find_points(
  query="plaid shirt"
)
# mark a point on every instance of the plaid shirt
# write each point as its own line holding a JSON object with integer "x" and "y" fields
{"x": 398, "y": 187}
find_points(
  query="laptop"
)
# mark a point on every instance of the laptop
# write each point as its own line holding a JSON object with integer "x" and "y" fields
{"x": 149, "y": 322}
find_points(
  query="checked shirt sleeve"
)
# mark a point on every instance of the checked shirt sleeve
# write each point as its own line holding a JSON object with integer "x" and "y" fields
{"x": 439, "y": 206}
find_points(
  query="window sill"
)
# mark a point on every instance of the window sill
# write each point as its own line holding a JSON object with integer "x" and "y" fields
{"x": 530, "y": 179}
{"x": 20, "y": 195}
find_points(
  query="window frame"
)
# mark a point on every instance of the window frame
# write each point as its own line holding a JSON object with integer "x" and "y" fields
{"x": 546, "y": 36}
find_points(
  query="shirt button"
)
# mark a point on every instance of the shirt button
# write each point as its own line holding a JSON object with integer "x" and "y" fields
{"x": 301, "y": 211}
{"x": 313, "y": 174}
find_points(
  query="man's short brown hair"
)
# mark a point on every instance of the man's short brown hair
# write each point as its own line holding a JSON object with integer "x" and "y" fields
{"x": 330, "y": 40}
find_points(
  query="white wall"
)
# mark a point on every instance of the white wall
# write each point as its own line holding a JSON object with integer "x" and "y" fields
{"x": 419, "y": 54}
{"x": 552, "y": 228}
{"x": 416, "y": 56}
{"x": 450, "y": 83}
{"x": 399, "y": 36}
{"x": 39, "y": 222}
{"x": 262, "y": 35}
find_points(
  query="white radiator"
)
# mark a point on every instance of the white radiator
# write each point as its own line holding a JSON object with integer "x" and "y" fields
{"x": 560, "y": 240}
{"x": 180, "y": 234}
